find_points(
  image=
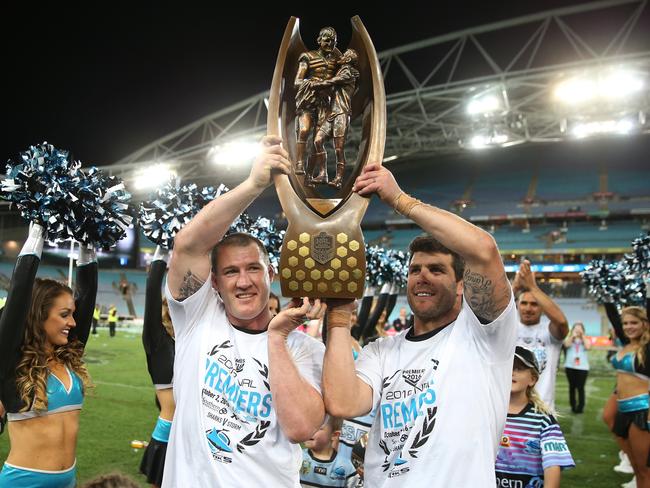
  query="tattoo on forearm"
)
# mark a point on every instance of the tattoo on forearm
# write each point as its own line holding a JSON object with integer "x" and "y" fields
{"x": 480, "y": 293}
{"x": 191, "y": 283}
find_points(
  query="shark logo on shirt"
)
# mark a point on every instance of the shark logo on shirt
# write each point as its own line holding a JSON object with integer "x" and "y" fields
{"x": 218, "y": 440}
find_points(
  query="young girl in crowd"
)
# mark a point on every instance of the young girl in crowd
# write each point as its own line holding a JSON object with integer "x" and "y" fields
{"x": 576, "y": 365}
{"x": 157, "y": 338}
{"x": 43, "y": 330}
{"x": 533, "y": 450}
{"x": 632, "y": 364}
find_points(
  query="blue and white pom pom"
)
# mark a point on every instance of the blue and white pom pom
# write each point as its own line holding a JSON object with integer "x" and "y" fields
{"x": 398, "y": 262}
{"x": 172, "y": 207}
{"x": 639, "y": 260}
{"x": 242, "y": 224}
{"x": 613, "y": 283}
{"x": 266, "y": 231}
{"x": 42, "y": 186}
{"x": 102, "y": 210}
{"x": 263, "y": 229}
{"x": 378, "y": 268}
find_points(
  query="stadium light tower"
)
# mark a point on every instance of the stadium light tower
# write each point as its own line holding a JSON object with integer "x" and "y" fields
{"x": 491, "y": 101}
{"x": 233, "y": 153}
{"x": 613, "y": 85}
{"x": 153, "y": 176}
{"x": 605, "y": 101}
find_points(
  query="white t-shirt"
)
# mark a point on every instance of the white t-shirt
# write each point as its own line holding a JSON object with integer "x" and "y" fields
{"x": 225, "y": 432}
{"x": 539, "y": 339}
{"x": 441, "y": 402}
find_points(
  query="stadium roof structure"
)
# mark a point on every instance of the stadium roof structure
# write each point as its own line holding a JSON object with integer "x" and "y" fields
{"x": 430, "y": 84}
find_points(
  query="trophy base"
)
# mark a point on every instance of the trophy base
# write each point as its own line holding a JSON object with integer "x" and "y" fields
{"x": 319, "y": 263}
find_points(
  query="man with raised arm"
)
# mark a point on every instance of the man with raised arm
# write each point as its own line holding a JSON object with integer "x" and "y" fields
{"x": 544, "y": 338}
{"x": 441, "y": 388}
{"x": 247, "y": 388}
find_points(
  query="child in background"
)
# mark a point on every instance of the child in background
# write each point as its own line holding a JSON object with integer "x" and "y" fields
{"x": 533, "y": 450}
{"x": 322, "y": 465}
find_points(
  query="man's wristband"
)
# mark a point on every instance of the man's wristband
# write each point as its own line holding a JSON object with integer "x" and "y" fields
{"x": 404, "y": 204}
{"x": 338, "y": 318}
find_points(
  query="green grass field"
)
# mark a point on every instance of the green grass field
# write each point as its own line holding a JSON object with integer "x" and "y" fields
{"x": 121, "y": 408}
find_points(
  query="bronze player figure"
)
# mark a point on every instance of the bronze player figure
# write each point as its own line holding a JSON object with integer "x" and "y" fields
{"x": 313, "y": 100}
{"x": 336, "y": 121}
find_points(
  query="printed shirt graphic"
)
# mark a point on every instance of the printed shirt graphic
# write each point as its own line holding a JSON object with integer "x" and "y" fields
{"x": 531, "y": 442}
{"x": 547, "y": 349}
{"x": 336, "y": 471}
{"x": 225, "y": 431}
{"x": 439, "y": 399}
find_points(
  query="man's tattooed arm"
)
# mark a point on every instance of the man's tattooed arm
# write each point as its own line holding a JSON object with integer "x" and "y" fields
{"x": 486, "y": 298}
{"x": 190, "y": 285}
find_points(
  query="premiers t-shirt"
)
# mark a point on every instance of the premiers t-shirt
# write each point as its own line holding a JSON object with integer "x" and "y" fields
{"x": 225, "y": 431}
{"x": 547, "y": 349}
{"x": 441, "y": 401}
{"x": 531, "y": 442}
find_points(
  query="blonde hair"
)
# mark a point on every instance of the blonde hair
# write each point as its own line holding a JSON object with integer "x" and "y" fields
{"x": 533, "y": 397}
{"x": 32, "y": 370}
{"x": 641, "y": 314}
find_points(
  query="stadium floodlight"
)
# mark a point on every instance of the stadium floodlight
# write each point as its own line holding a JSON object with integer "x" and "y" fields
{"x": 482, "y": 105}
{"x": 598, "y": 127}
{"x": 233, "y": 153}
{"x": 613, "y": 84}
{"x": 390, "y": 158}
{"x": 491, "y": 101}
{"x": 153, "y": 176}
{"x": 480, "y": 141}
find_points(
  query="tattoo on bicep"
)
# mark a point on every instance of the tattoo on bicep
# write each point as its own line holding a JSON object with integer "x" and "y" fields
{"x": 191, "y": 283}
{"x": 480, "y": 293}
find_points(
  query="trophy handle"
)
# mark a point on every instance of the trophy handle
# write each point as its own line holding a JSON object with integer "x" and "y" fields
{"x": 273, "y": 119}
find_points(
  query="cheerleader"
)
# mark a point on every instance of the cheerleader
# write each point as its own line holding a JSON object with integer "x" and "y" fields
{"x": 43, "y": 331}
{"x": 157, "y": 337}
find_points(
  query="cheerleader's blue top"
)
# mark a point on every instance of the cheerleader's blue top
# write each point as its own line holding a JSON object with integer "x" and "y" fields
{"x": 59, "y": 399}
{"x": 628, "y": 364}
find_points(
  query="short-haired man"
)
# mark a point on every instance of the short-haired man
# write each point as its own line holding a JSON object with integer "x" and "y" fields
{"x": 247, "y": 388}
{"x": 543, "y": 338}
{"x": 441, "y": 389}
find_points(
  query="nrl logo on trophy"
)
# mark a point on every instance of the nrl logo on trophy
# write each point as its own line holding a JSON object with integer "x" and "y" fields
{"x": 316, "y": 95}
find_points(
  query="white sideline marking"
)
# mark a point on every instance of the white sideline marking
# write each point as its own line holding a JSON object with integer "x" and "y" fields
{"x": 122, "y": 385}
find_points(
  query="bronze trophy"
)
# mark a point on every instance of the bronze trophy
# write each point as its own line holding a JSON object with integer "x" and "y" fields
{"x": 315, "y": 95}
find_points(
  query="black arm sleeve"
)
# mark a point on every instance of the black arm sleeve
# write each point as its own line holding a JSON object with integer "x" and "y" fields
{"x": 364, "y": 311}
{"x": 158, "y": 345}
{"x": 392, "y": 299}
{"x": 12, "y": 327}
{"x": 85, "y": 297}
{"x": 615, "y": 320}
{"x": 369, "y": 328}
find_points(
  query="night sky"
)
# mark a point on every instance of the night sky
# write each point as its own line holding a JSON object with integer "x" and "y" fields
{"x": 102, "y": 79}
